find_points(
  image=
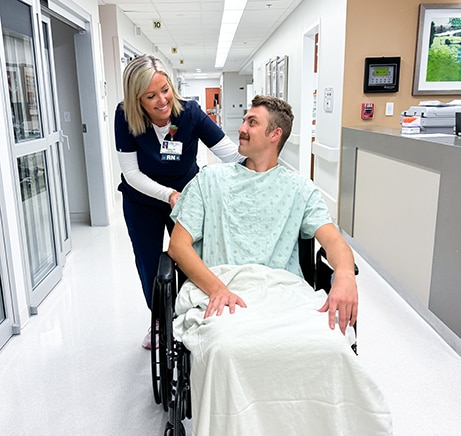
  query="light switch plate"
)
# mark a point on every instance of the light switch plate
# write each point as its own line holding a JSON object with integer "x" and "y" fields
{"x": 389, "y": 109}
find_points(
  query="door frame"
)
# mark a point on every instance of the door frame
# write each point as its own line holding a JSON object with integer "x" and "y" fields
{"x": 93, "y": 109}
{"x": 55, "y": 139}
{"x": 308, "y": 85}
{"x": 10, "y": 325}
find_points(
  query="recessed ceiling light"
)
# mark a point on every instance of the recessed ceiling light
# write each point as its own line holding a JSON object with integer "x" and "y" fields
{"x": 233, "y": 10}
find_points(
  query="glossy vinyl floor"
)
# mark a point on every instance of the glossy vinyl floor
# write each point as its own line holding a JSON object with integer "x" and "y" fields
{"x": 78, "y": 368}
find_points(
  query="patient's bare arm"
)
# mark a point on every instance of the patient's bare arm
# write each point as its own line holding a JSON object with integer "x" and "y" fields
{"x": 343, "y": 296}
{"x": 182, "y": 252}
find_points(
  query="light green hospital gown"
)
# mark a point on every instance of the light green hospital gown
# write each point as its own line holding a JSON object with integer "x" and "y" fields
{"x": 238, "y": 216}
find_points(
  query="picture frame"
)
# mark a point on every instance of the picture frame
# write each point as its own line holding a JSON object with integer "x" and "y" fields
{"x": 273, "y": 78}
{"x": 438, "y": 51}
{"x": 268, "y": 78}
{"x": 276, "y": 77}
{"x": 282, "y": 77}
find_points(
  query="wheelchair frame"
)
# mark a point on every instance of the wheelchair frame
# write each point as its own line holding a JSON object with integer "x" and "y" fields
{"x": 171, "y": 361}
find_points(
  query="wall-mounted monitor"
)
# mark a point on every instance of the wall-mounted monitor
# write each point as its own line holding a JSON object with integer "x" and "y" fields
{"x": 381, "y": 74}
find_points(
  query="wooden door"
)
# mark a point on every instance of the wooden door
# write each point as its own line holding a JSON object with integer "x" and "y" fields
{"x": 213, "y": 102}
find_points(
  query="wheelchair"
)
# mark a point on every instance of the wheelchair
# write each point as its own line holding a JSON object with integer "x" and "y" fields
{"x": 171, "y": 360}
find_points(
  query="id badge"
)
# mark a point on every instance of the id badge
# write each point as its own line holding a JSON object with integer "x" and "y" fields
{"x": 171, "y": 150}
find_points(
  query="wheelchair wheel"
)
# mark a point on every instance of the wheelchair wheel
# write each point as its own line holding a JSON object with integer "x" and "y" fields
{"x": 161, "y": 375}
{"x": 171, "y": 431}
{"x": 166, "y": 374}
{"x": 155, "y": 364}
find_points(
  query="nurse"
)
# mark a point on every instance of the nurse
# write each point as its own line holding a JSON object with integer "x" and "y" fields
{"x": 156, "y": 135}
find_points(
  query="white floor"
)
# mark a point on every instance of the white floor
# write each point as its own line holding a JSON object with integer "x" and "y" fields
{"x": 78, "y": 367}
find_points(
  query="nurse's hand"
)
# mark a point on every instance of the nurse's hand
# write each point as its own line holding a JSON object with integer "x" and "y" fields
{"x": 174, "y": 196}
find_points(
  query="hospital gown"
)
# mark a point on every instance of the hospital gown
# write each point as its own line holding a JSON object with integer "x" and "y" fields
{"x": 273, "y": 368}
{"x": 238, "y": 216}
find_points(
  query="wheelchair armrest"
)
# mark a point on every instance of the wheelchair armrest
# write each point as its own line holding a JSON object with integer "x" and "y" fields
{"x": 322, "y": 253}
{"x": 166, "y": 269}
{"x": 323, "y": 271}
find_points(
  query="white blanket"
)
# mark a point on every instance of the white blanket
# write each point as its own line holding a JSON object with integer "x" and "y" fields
{"x": 274, "y": 368}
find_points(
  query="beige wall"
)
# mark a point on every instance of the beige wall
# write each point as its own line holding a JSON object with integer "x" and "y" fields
{"x": 375, "y": 28}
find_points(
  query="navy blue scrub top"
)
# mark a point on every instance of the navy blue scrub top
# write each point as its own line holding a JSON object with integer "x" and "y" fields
{"x": 193, "y": 124}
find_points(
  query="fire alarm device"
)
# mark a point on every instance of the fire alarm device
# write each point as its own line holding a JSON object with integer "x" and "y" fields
{"x": 368, "y": 110}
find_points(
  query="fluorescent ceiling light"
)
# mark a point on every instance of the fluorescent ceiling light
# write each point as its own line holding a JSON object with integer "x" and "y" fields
{"x": 233, "y": 10}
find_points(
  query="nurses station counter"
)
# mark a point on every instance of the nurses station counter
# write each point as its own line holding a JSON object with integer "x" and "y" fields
{"x": 400, "y": 201}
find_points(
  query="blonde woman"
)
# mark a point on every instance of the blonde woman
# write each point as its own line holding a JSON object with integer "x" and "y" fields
{"x": 157, "y": 134}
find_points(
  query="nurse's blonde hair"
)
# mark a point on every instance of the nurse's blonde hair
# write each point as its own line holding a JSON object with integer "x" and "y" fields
{"x": 136, "y": 79}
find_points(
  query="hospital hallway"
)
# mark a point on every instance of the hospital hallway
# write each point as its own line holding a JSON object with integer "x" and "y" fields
{"x": 78, "y": 367}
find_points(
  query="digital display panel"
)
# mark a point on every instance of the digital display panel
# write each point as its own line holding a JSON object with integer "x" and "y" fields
{"x": 381, "y": 74}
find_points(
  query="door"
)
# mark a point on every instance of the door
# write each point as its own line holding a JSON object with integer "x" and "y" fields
{"x": 57, "y": 140}
{"x": 314, "y": 98}
{"x": 6, "y": 309}
{"x": 213, "y": 102}
{"x": 309, "y": 101}
{"x": 33, "y": 146}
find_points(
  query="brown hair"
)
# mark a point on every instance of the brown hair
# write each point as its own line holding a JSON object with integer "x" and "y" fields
{"x": 280, "y": 115}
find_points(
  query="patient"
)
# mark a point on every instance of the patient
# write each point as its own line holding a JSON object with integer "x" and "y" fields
{"x": 269, "y": 355}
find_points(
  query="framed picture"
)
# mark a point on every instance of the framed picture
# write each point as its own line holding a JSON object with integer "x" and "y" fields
{"x": 268, "y": 78}
{"x": 273, "y": 67}
{"x": 282, "y": 77}
{"x": 438, "y": 51}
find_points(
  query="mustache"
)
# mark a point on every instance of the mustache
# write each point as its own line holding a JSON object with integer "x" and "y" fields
{"x": 246, "y": 137}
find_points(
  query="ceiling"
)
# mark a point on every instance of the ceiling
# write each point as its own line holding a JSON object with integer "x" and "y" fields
{"x": 189, "y": 31}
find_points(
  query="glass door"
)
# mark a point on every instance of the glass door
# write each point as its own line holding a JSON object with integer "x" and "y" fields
{"x": 33, "y": 147}
{"x": 55, "y": 139}
{"x": 6, "y": 309}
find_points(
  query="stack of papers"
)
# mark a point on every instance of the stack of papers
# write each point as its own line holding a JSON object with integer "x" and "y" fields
{"x": 439, "y": 103}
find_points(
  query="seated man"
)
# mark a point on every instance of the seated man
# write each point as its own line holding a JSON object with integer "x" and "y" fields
{"x": 267, "y": 358}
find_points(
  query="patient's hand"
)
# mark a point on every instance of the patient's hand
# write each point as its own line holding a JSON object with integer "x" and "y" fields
{"x": 222, "y": 298}
{"x": 343, "y": 298}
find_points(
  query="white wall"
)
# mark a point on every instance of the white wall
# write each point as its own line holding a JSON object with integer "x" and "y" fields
{"x": 234, "y": 101}
{"x": 288, "y": 39}
{"x": 197, "y": 87}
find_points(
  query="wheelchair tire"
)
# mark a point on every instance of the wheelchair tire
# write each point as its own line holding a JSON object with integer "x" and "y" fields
{"x": 171, "y": 431}
{"x": 166, "y": 370}
{"x": 161, "y": 376}
{"x": 155, "y": 365}
{"x": 166, "y": 375}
